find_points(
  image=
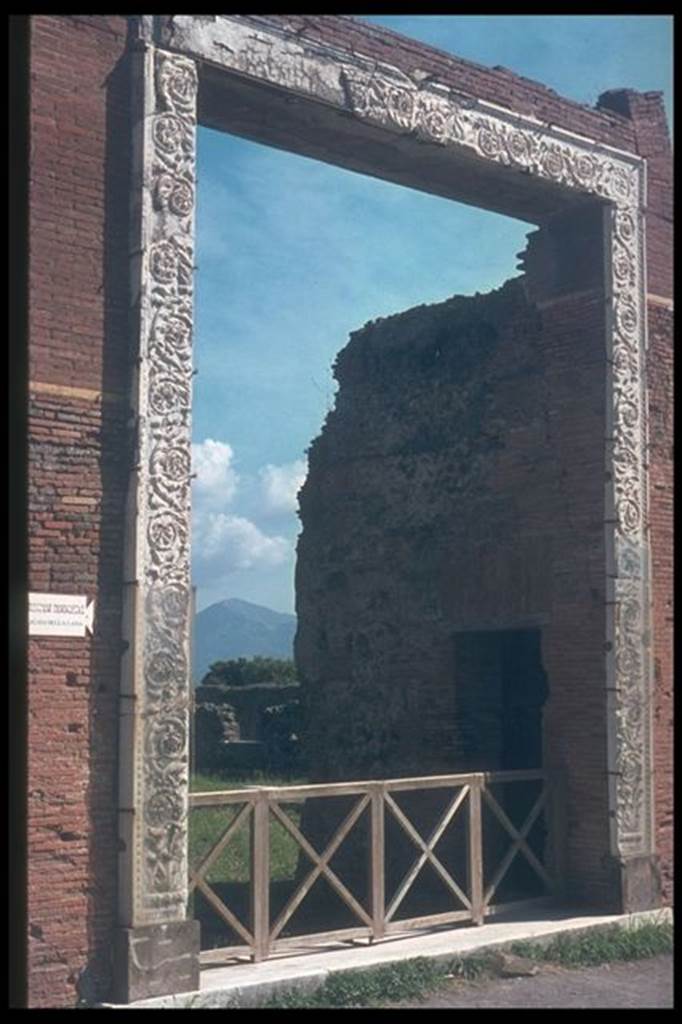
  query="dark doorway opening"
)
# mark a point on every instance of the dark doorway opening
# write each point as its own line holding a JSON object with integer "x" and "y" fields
{"x": 500, "y": 690}
{"x": 524, "y": 692}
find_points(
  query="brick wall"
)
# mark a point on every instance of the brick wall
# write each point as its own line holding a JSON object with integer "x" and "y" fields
{"x": 77, "y": 479}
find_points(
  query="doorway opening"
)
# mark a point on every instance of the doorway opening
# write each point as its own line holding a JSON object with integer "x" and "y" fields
{"x": 501, "y": 687}
{"x": 311, "y": 240}
{"x": 500, "y": 690}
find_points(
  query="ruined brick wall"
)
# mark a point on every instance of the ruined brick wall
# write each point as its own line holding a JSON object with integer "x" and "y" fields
{"x": 77, "y": 478}
{"x": 458, "y": 486}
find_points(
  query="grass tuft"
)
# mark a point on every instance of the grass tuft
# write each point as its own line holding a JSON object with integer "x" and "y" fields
{"x": 409, "y": 979}
{"x": 473, "y": 968}
{"x": 632, "y": 942}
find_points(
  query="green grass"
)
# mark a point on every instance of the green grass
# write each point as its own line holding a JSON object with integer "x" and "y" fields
{"x": 207, "y": 824}
{"x": 203, "y": 783}
{"x": 372, "y": 987}
{"x": 633, "y": 942}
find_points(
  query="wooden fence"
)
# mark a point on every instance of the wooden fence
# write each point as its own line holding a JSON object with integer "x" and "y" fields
{"x": 472, "y": 900}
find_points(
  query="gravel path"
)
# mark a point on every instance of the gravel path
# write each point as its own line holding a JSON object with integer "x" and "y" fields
{"x": 641, "y": 984}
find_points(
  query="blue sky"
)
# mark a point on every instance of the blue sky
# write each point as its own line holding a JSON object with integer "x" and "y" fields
{"x": 294, "y": 254}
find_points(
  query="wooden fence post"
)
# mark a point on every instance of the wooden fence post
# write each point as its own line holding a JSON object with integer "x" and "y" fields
{"x": 260, "y": 876}
{"x": 476, "y": 850}
{"x": 376, "y": 858}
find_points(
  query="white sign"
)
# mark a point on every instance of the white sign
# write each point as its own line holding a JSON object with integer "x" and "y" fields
{"x": 59, "y": 615}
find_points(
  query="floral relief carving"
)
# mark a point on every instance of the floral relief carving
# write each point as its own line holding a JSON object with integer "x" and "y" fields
{"x": 174, "y": 194}
{"x": 170, "y": 265}
{"x": 519, "y": 147}
{"x": 167, "y": 606}
{"x": 629, "y": 559}
{"x": 584, "y": 168}
{"x": 170, "y": 460}
{"x": 167, "y": 737}
{"x": 165, "y": 820}
{"x": 553, "y": 162}
{"x": 632, "y": 715}
{"x": 377, "y": 98}
{"x": 626, "y": 362}
{"x": 170, "y": 135}
{"x": 399, "y": 103}
{"x": 165, "y": 463}
{"x": 626, "y": 316}
{"x": 165, "y": 672}
{"x": 631, "y": 796}
{"x": 163, "y": 262}
{"x": 170, "y": 341}
{"x": 167, "y": 395}
{"x": 623, "y": 267}
{"x": 177, "y": 84}
{"x": 625, "y": 227}
{"x": 436, "y": 120}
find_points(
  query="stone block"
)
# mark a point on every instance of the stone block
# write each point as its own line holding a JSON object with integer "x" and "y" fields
{"x": 156, "y": 960}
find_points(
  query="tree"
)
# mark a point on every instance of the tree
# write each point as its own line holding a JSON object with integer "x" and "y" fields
{"x": 247, "y": 671}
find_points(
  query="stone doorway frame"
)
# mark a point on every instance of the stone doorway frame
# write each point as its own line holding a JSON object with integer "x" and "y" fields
{"x": 479, "y": 139}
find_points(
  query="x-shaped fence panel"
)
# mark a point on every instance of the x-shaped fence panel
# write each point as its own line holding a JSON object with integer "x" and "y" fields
{"x": 259, "y": 807}
{"x": 427, "y": 847}
{"x": 321, "y": 865}
{"x": 198, "y": 879}
{"x": 519, "y": 844}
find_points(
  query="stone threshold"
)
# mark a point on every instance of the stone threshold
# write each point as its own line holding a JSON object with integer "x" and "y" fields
{"x": 241, "y": 984}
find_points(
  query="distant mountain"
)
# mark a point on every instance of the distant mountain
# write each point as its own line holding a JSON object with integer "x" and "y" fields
{"x": 239, "y": 629}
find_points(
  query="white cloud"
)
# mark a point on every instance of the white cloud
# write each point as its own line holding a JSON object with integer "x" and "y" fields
{"x": 224, "y": 543}
{"x": 216, "y": 481}
{"x": 281, "y": 485}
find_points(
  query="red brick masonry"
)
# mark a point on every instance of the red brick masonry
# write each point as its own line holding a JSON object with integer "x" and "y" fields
{"x": 77, "y": 481}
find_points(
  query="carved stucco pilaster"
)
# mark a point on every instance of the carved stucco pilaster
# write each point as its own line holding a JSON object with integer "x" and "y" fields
{"x": 156, "y": 679}
{"x": 629, "y": 640}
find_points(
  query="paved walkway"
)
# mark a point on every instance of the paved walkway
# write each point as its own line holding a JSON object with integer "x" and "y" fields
{"x": 641, "y": 984}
